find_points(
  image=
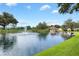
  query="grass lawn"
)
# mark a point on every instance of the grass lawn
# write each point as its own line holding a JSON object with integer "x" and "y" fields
{"x": 10, "y": 31}
{"x": 68, "y": 48}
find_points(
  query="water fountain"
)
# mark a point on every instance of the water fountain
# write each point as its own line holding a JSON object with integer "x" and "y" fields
{"x": 25, "y": 28}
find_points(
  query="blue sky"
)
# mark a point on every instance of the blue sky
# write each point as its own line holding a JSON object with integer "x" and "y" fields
{"x": 33, "y": 13}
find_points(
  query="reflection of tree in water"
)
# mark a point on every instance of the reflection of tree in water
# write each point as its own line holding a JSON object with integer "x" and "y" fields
{"x": 7, "y": 42}
{"x": 42, "y": 36}
{"x": 67, "y": 35}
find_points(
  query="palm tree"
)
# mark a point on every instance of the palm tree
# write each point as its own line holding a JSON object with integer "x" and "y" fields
{"x": 68, "y": 7}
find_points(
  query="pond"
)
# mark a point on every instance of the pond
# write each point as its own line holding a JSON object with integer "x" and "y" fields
{"x": 27, "y": 43}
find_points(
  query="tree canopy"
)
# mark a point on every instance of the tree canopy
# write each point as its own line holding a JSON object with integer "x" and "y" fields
{"x": 70, "y": 24}
{"x": 28, "y": 27}
{"x": 42, "y": 25}
{"x": 68, "y": 7}
{"x": 6, "y": 19}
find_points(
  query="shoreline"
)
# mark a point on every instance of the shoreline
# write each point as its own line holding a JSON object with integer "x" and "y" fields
{"x": 64, "y": 48}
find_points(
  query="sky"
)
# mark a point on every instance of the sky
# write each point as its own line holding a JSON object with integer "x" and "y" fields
{"x": 33, "y": 13}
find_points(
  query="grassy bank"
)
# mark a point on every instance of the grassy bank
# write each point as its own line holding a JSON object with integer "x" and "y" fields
{"x": 10, "y": 30}
{"x": 41, "y": 31}
{"x": 68, "y": 48}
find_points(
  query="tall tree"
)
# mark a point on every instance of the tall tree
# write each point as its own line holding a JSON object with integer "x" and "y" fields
{"x": 64, "y": 27}
{"x": 42, "y": 25}
{"x": 70, "y": 24}
{"x": 69, "y": 8}
{"x": 6, "y": 19}
{"x": 28, "y": 27}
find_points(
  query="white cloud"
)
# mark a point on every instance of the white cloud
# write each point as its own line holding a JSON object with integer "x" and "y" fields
{"x": 10, "y": 4}
{"x": 55, "y": 11}
{"x": 45, "y": 7}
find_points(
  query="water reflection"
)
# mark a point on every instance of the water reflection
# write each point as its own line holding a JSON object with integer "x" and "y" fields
{"x": 22, "y": 44}
{"x": 42, "y": 36}
{"x": 67, "y": 35}
{"x": 7, "y": 42}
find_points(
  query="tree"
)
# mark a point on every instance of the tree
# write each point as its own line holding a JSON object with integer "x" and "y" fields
{"x": 68, "y": 7}
{"x": 77, "y": 26}
{"x": 70, "y": 24}
{"x": 64, "y": 27}
{"x": 6, "y": 19}
{"x": 28, "y": 27}
{"x": 42, "y": 25}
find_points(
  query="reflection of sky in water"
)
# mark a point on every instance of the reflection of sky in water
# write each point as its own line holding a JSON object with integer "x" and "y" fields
{"x": 27, "y": 43}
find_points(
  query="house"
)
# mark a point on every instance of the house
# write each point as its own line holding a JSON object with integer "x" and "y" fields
{"x": 53, "y": 29}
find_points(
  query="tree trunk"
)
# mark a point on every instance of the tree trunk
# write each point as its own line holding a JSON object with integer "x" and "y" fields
{"x": 71, "y": 29}
{"x": 4, "y": 27}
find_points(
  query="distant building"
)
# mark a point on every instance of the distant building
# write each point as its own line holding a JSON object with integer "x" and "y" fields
{"x": 60, "y": 29}
{"x": 53, "y": 29}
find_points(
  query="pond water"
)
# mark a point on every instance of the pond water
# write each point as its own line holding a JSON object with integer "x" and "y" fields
{"x": 27, "y": 43}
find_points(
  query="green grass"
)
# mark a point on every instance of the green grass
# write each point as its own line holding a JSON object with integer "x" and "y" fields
{"x": 10, "y": 30}
{"x": 68, "y": 48}
{"x": 41, "y": 31}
